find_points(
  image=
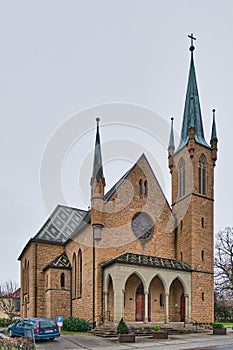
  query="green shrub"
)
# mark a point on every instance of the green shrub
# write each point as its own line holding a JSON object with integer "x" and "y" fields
{"x": 5, "y": 322}
{"x": 122, "y": 327}
{"x": 156, "y": 328}
{"x": 74, "y": 324}
{"x": 218, "y": 325}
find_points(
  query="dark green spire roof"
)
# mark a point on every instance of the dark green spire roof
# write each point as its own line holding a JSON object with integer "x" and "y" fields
{"x": 214, "y": 130}
{"x": 97, "y": 165}
{"x": 192, "y": 111}
{"x": 171, "y": 139}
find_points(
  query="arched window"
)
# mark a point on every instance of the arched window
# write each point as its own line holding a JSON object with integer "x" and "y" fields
{"x": 74, "y": 276}
{"x": 140, "y": 187}
{"x": 181, "y": 168}
{"x": 63, "y": 280}
{"x": 203, "y": 296}
{"x": 145, "y": 188}
{"x": 202, "y": 175}
{"x": 79, "y": 277}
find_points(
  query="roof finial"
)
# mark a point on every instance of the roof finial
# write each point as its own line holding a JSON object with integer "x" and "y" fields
{"x": 192, "y": 47}
{"x": 98, "y": 120}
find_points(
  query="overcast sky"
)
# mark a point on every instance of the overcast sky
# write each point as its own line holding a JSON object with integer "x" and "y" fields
{"x": 58, "y": 58}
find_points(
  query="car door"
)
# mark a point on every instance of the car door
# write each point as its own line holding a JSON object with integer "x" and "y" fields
{"x": 19, "y": 328}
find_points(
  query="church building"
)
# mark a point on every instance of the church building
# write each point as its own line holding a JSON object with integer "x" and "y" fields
{"x": 133, "y": 254}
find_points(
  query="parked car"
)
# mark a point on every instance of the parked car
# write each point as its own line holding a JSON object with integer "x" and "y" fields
{"x": 43, "y": 328}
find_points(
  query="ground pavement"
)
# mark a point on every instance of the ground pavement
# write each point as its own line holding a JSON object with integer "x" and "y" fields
{"x": 200, "y": 341}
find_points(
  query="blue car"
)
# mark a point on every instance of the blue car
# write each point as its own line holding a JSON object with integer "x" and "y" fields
{"x": 40, "y": 328}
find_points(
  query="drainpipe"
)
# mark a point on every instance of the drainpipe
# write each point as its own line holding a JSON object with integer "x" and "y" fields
{"x": 35, "y": 278}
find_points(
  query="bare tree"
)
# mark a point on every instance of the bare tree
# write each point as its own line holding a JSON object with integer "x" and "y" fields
{"x": 8, "y": 300}
{"x": 224, "y": 265}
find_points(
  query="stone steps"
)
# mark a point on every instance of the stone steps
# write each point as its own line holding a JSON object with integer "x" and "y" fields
{"x": 142, "y": 330}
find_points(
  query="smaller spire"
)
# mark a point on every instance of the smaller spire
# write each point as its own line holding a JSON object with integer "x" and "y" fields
{"x": 171, "y": 146}
{"x": 214, "y": 130}
{"x": 97, "y": 165}
{"x": 214, "y": 140}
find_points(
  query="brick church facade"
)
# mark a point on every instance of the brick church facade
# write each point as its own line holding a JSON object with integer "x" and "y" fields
{"x": 132, "y": 255}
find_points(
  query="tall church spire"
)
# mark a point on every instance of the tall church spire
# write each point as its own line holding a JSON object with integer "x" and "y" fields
{"x": 97, "y": 165}
{"x": 192, "y": 118}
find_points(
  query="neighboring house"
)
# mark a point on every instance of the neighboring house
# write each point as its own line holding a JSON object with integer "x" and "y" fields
{"x": 10, "y": 304}
{"x": 133, "y": 254}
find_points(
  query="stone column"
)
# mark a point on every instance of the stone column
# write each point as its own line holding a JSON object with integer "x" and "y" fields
{"x": 187, "y": 316}
{"x": 105, "y": 306}
{"x": 118, "y": 302}
{"x": 146, "y": 306}
{"x": 166, "y": 308}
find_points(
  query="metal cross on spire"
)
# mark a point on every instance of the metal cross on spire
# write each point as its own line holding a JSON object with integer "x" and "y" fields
{"x": 192, "y": 47}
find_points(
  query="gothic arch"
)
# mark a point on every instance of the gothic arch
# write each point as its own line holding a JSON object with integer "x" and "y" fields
{"x": 134, "y": 303}
{"x": 79, "y": 273}
{"x": 74, "y": 276}
{"x": 202, "y": 173}
{"x": 139, "y": 275}
{"x": 181, "y": 178}
{"x": 177, "y": 300}
{"x": 181, "y": 281}
{"x": 156, "y": 297}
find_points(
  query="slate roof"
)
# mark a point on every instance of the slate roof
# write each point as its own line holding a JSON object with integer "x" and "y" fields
{"x": 62, "y": 261}
{"x": 147, "y": 260}
{"x": 192, "y": 111}
{"x": 61, "y": 225}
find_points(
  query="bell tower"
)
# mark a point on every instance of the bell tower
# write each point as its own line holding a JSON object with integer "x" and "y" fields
{"x": 192, "y": 171}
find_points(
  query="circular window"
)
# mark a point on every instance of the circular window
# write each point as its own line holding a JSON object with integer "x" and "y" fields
{"x": 142, "y": 225}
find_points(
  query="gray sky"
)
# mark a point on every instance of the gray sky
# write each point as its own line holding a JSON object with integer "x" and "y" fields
{"x": 61, "y": 57}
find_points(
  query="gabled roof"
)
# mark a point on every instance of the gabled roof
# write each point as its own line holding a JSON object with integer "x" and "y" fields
{"x": 115, "y": 187}
{"x": 148, "y": 260}
{"x": 63, "y": 222}
{"x": 61, "y": 262}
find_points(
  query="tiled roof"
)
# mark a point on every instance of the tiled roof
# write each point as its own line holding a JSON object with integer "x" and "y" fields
{"x": 61, "y": 261}
{"x": 147, "y": 260}
{"x": 61, "y": 225}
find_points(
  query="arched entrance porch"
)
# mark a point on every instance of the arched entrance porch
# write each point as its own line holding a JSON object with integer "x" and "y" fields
{"x": 177, "y": 310}
{"x": 156, "y": 290}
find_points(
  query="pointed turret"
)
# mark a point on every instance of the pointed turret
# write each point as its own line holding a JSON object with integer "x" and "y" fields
{"x": 214, "y": 140}
{"x": 192, "y": 120}
{"x": 171, "y": 147}
{"x": 97, "y": 165}
{"x": 97, "y": 183}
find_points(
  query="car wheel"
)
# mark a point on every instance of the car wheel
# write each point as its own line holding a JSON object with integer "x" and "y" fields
{"x": 11, "y": 333}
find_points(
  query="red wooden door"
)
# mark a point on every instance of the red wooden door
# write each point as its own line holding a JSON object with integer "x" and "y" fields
{"x": 182, "y": 308}
{"x": 140, "y": 307}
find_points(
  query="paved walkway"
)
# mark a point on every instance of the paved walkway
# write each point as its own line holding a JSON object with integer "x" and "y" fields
{"x": 175, "y": 342}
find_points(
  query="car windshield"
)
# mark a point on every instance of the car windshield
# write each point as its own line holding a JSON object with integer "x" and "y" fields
{"x": 47, "y": 324}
